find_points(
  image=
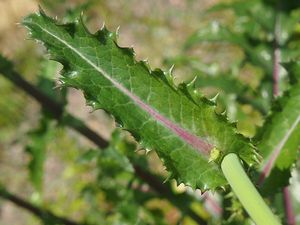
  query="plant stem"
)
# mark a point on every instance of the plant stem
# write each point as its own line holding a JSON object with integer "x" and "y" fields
{"x": 290, "y": 216}
{"x": 246, "y": 192}
{"x": 276, "y": 55}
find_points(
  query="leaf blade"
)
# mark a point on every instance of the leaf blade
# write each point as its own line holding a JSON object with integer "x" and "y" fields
{"x": 183, "y": 130}
{"x": 279, "y": 138}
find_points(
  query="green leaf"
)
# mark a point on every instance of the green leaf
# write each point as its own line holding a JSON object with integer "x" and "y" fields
{"x": 279, "y": 140}
{"x": 258, "y": 54}
{"x": 248, "y": 16}
{"x": 180, "y": 125}
{"x": 229, "y": 84}
{"x": 223, "y": 82}
{"x": 37, "y": 151}
{"x": 216, "y": 32}
{"x": 117, "y": 181}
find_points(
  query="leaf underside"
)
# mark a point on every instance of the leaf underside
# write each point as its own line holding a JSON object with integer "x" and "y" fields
{"x": 178, "y": 123}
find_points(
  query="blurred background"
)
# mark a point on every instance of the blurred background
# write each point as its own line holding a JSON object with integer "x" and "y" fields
{"x": 163, "y": 31}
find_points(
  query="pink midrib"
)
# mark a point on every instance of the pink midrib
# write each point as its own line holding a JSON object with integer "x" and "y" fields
{"x": 193, "y": 140}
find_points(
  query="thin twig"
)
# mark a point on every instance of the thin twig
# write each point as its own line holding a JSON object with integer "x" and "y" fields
{"x": 43, "y": 214}
{"x": 55, "y": 108}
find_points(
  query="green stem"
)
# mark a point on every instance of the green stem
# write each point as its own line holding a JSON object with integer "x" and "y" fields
{"x": 246, "y": 192}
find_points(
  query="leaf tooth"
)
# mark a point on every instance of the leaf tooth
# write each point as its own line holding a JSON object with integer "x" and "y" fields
{"x": 214, "y": 99}
{"x": 224, "y": 113}
{"x": 144, "y": 146}
{"x": 103, "y": 26}
{"x": 191, "y": 184}
{"x": 70, "y": 74}
{"x": 205, "y": 188}
{"x": 257, "y": 158}
{"x": 113, "y": 36}
{"x": 192, "y": 82}
{"x": 169, "y": 77}
{"x": 104, "y": 29}
{"x": 119, "y": 123}
{"x": 41, "y": 12}
{"x": 144, "y": 63}
{"x": 127, "y": 50}
{"x": 170, "y": 71}
{"x": 194, "y": 93}
{"x": 103, "y": 35}
{"x": 147, "y": 150}
{"x": 131, "y": 48}
{"x": 91, "y": 103}
{"x": 79, "y": 22}
{"x": 117, "y": 33}
{"x": 106, "y": 34}
{"x": 169, "y": 177}
{"x": 222, "y": 117}
{"x": 222, "y": 188}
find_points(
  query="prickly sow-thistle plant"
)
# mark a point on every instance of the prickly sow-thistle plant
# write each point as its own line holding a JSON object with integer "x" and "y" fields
{"x": 199, "y": 147}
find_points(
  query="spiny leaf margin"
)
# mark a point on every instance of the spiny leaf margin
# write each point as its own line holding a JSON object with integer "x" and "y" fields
{"x": 281, "y": 132}
{"x": 187, "y": 165}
